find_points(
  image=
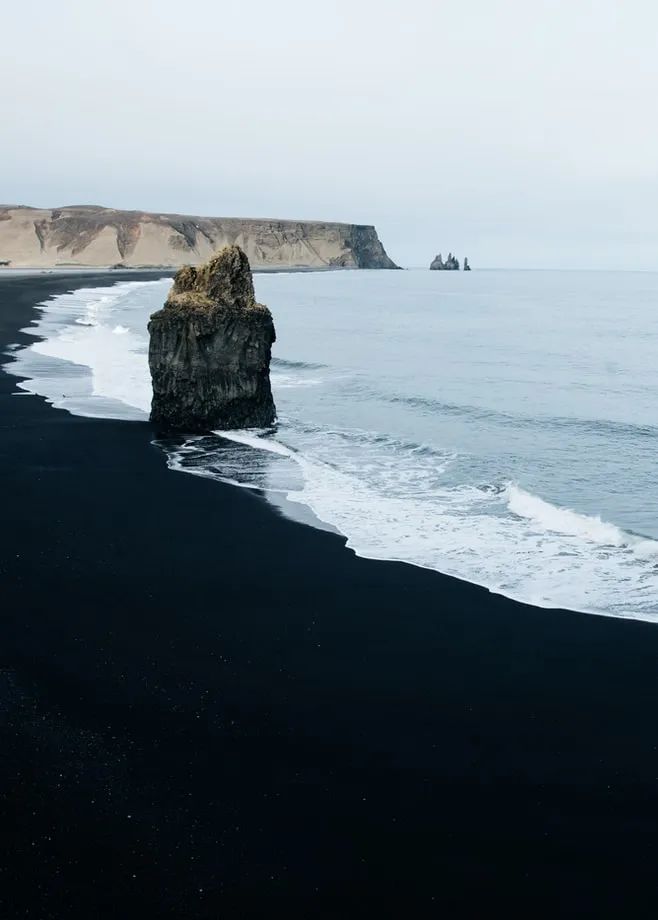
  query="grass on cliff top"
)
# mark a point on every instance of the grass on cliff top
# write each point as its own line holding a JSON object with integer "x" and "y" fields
{"x": 189, "y": 300}
{"x": 223, "y": 283}
{"x": 193, "y": 300}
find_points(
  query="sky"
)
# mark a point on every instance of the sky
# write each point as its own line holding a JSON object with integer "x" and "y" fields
{"x": 521, "y": 133}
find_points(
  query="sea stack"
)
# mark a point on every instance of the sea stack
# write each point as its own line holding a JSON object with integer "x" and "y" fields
{"x": 210, "y": 348}
{"x": 451, "y": 264}
{"x": 467, "y": 267}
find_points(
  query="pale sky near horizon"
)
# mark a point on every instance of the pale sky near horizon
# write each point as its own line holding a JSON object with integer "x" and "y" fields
{"x": 518, "y": 132}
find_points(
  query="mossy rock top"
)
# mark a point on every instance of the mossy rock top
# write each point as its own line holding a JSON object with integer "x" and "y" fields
{"x": 225, "y": 279}
{"x": 222, "y": 287}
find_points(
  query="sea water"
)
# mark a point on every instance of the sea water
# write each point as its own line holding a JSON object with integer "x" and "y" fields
{"x": 499, "y": 426}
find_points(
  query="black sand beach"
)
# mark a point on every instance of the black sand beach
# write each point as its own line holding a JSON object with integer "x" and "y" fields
{"x": 207, "y": 710}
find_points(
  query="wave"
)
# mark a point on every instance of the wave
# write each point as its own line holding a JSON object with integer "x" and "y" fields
{"x": 364, "y": 436}
{"x": 496, "y": 535}
{"x": 554, "y": 519}
{"x": 297, "y": 365}
{"x": 230, "y": 457}
{"x": 257, "y": 439}
{"x": 293, "y": 381}
{"x": 83, "y": 360}
{"x": 594, "y": 426}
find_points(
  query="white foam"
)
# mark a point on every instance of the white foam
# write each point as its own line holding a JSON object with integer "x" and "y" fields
{"x": 288, "y": 381}
{"x": 115, "y": 372}
{"x": 254, "y": 437}
{"x": 507, "y": 540}
{"x": 77, "y": 328}
{"x": 562, "y": 520}
{"x": 586, "y": 565}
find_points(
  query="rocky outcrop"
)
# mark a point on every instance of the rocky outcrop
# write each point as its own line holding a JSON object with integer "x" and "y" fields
{"x": 366, "y": 248}
{"x": 451, "y": 264}
{"x": 87, "y": 235}
{"x": 467, "y": 267}
{"x": 210, "y": 349}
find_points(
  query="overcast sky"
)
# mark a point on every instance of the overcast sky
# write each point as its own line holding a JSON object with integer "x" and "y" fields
{"x": 517, "y": 132}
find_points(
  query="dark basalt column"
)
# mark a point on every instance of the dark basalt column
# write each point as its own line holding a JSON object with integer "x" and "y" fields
{"x": 210, "y": 348}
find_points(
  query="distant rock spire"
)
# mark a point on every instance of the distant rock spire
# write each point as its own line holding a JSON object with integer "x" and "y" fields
{"x": 467, "y": 267}
{"x": 451, "y": 264}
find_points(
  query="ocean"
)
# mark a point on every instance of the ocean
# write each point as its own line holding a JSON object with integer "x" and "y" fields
{"x": 499, "y": 426}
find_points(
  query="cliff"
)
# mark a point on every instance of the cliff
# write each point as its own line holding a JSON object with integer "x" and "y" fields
{"x": 92, "y": 236}
{"x": 210, "y": 349}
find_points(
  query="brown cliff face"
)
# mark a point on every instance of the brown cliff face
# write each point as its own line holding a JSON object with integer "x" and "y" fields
{"x": 210, "y": 349}
{"x": 87, "y": 235}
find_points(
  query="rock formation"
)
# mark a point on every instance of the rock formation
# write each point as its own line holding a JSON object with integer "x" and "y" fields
{"x": 451, "y": 264}
{"x": 87, "y": 235}
{"x": 467, "y": 267}
{"x": 210, "y": 349}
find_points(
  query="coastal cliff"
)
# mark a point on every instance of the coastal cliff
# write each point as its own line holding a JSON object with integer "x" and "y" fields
{"x": 210, "y": 349}
{"x": 90, "y": 236}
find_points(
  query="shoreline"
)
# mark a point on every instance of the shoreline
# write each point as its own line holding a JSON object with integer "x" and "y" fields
{"x": 305, "y": 514}
{"x": 209, "y": 707}
{"x": 163, "y": 270}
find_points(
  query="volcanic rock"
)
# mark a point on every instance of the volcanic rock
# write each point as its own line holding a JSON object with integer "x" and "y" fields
{"x": 210, "y": 348}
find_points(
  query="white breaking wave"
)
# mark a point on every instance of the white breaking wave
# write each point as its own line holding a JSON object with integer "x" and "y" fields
{"x": 389, "y": 498}
{"x": 255, "y": 439}
{"x": 285, "y": 381}
{"x": 539, "y": 553}
{"x": 78, "y": 328}
{"x": 562, "y": 520}
{"x": 127, "y": 384}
